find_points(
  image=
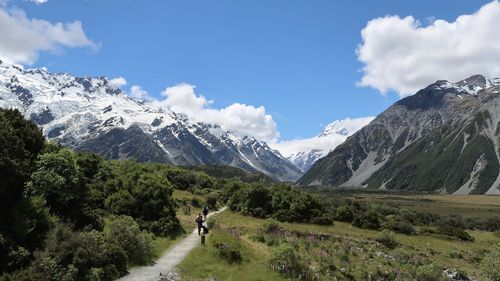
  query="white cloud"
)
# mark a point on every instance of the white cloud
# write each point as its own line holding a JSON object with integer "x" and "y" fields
{"x": 182, "y": 98}
{"x": 118, "y": 82}
{"x": 38, "y": 2}
{"x": 402, "y": 55}
{"x": 330, "y": 137}
{"x": 21, "y": 38}
{"x": 138, "y": 93}
{"x": 241, "y": 119}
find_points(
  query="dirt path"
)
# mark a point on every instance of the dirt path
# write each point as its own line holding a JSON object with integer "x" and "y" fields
{"x": 171, "y": 258}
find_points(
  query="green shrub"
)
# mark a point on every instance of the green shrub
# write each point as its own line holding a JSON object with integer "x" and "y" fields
{"x": 124, "y": 231}
{"x": 344, "y": 214}
{"x": 211, "y": 222}
{"x": 271, "y": 226}
{"x": 195, "y": 202}
{"x": 279, "y": 201}
{"x": 43, "y": 269}
{"x": 212, "y": 202}
{"x": 60, "y": 244}
{"x": 449, "y": 232}
{"x": 323, "y": 219}
{"x": 18, "y": 257}
{"x": 497, "y": 233}
{"x": 399, "y": 225}
{"x": 289, "y": 263}
{"x": 143, "y": 192}
{"x": 388, "y": 239}
{"x": 95, "y": 252}
{"x": 227, "y": 247}
{"x": 369, "y": 219}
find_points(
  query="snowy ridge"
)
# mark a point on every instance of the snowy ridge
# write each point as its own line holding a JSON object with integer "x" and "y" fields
{"x": 303, "y": 153}
{"x": 89, "y": 113}
{"x": 472, "y": 85}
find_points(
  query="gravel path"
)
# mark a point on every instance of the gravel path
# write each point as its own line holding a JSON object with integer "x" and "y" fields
{"x": 169, "y": 260}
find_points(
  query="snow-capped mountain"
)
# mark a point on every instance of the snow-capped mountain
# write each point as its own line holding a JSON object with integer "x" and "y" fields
{"x": 303, "y": 153}
{"x": 90, "y": 113}
{"x": 445, "y": 138}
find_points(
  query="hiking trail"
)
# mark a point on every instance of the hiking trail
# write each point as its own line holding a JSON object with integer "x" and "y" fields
{"x": 171, "y": 258}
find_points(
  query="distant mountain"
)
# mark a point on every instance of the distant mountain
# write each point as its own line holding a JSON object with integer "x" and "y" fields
{"x": 445, "y": 138}
{"x": 89, "y": 113}
{"x": 303, "y": 153}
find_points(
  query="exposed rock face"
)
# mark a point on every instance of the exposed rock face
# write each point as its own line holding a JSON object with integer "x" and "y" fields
{"x": 88, "y": 113}
{"x": 445, "y": 138}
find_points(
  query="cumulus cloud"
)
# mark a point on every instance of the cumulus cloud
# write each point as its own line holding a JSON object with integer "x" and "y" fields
{"x": 182, "y": 98}
{"x": 241, "y": 119}
{"x": 138, "y": 93}
{"x": 22, "y": 38}
{"x": 330, "y": 137}
{"x": 403, "y": 55}
{"x": 118, "y": 82}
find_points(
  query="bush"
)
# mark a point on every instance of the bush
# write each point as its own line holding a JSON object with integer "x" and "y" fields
{"x": 369, "y": 219}
{"x": 195, "y": 202}
{"x": 344, "y": 213}
{"x": 212, "y": 202}
{"x": 323, "y": 219}
{"x": 388, "y": 239}
{"x": 289, "y": 263}
{"x": 448, "y": 231}
{"x": 497, "y": 233}
{"x": 43, "y": 269}
{"x": 124, "y": 231}
{"x": 271, "y": 226}
{"x": 211, "y": 223}
{"x": 399, "y": 225}
{"x": 227, "y": 247}
{"x": 95, "y": 255}
{"x": 139, "y": 191}
{"x": 490, "y": 264}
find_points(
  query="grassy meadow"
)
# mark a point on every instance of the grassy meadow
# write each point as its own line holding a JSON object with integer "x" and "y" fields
{"x": 345, "y": 252}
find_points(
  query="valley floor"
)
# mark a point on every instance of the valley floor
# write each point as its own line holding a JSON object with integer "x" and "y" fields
{"x": 343, "y": 251}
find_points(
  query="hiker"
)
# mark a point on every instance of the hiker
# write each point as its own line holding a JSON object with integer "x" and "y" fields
{"x": 199, "y": 222}
{"x": 205, "y": 212}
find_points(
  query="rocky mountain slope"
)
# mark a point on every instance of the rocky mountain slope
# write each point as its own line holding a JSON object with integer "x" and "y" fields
{"x": 91, "y": 114}
{"x": 304, "y": 153}
{"x": 445, "y": 138}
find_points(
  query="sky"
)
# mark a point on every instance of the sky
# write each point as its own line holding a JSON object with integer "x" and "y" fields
{"x": 278, "y": 69}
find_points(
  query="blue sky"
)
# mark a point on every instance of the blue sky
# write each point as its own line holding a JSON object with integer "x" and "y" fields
{"x": 296, "y": 58}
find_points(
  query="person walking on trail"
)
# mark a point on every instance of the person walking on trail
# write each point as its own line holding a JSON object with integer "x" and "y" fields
{"x": 199, "y": 222}
{"x": 205, "y": 212}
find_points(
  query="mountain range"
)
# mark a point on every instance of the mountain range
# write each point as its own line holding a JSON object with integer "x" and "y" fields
{"x": 445, "y": 138}
{"x": 91, "y": 114}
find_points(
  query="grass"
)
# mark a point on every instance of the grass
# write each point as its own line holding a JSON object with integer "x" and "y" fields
{"x": 465, "y": 205}
{"x": 480, "y": 206}
{"x": 203, "y": 262}
{"x": 364, "y": 252}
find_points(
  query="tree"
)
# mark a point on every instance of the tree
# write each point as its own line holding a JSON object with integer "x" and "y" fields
{"x": 23, "y": 220}
{"x": 59, "y": 180}
{"x": 144, "y": 194}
